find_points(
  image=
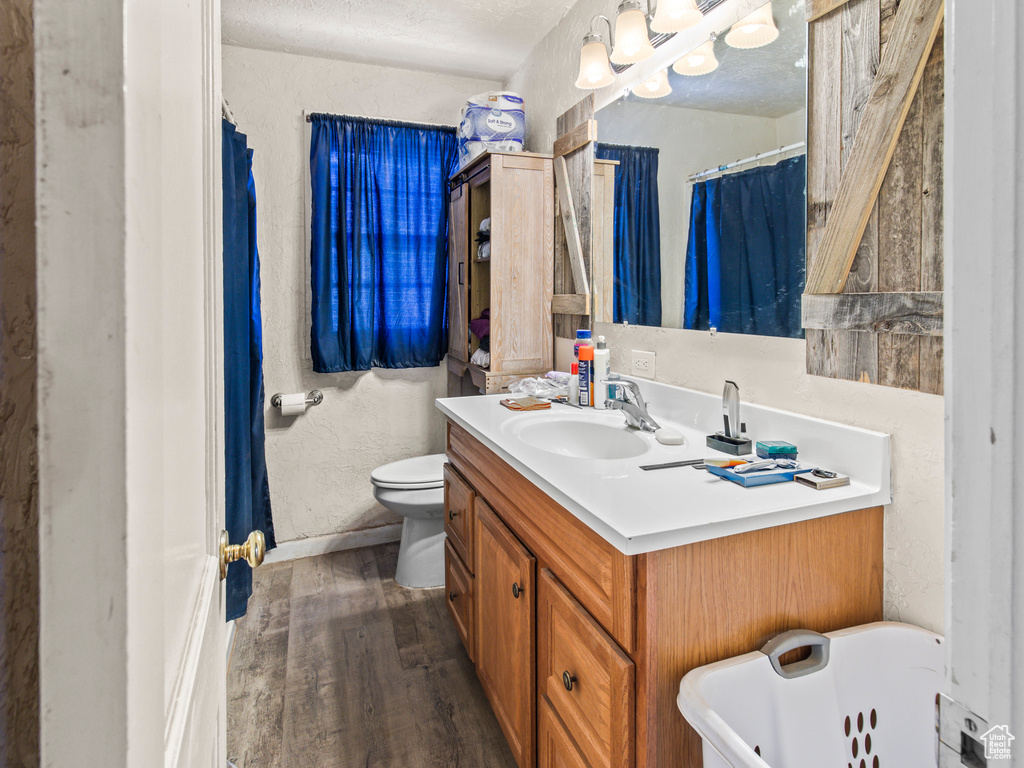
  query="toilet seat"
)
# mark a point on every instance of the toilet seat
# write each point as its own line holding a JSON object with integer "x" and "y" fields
{"x": 418, "y": 473}
{"x": 407, "y": 486}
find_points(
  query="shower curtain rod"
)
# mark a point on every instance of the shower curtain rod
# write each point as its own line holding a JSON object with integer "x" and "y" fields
{"x": 754, "y": 159}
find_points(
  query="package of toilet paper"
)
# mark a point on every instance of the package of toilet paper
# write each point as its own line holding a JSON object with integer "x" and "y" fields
{"x": 491, "y": 122}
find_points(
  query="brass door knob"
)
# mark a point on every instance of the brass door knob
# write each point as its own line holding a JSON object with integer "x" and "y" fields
{"x": 252, "y": 551}
{"x": 568, "y": 680}
{"x": 516, "y": 590}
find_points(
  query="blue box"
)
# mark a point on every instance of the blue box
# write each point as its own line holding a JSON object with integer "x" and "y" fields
{"x": 766, "y": 477}
{"x": 775, "y": 449}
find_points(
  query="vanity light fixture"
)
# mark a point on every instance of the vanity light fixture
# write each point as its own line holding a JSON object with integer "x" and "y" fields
{"x": 699, "y": 61}
{"x": 754, "y": 30}
{"x": 631, "y": 43}
{"x": 654, "y": 87}
{"x": 595, "y": 69}
{"x": 675, "y": 16}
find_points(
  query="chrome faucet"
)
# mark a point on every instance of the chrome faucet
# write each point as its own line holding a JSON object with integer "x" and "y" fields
{"x": 631, "y": 403}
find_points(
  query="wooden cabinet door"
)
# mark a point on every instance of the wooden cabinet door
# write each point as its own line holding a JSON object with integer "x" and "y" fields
{"x": 586, "y": 677}
{"x": 505, "y": 655}
{"x": 522, "y": 248}
{"x": 458, "y": 274}
{"x": 555, "y": 748}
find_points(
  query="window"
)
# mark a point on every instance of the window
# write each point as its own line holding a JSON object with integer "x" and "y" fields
{"x": 379, "y": 255}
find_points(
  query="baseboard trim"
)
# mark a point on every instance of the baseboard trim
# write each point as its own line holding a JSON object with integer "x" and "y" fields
{"x": 334, "y": 542}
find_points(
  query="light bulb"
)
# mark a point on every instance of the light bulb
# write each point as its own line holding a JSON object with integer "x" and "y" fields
{"x": 595, "y": 71}
{"x": 675, "y": 16}
{"x": 699, "y": 61}
{"x": 754, "y": 30}
{"x": 631, "y": 42}
{"x": 654, "y": 87}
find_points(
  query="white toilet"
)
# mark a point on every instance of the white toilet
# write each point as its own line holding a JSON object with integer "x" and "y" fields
{"x": 414, "y": 489}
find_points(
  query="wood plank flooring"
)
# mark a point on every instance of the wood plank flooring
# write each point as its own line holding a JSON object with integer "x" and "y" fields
{"x": 335, "y": 666}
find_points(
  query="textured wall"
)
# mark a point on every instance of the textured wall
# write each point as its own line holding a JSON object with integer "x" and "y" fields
{"x": 320, "y": 463}
{"x": 690, "y": 141}
{"x": 771, "y": 371}
{"x": 19, "y": 458}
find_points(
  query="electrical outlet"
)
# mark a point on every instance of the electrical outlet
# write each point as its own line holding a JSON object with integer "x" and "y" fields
{"x": 643, "y": 364}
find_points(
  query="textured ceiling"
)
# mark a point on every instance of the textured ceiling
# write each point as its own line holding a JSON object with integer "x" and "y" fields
{"x": 766, "y": 82}
{"x": 478, "y": 38}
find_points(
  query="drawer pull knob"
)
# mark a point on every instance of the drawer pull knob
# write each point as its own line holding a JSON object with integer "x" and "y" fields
{"x": 568, "y": 680}
{"x": 516, "y": 589}
{"x": 451, "y": 514}
{"x": 452, "y": 596}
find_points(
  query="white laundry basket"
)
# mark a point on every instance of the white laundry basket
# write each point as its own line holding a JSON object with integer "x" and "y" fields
{"x": 865, "y": 698}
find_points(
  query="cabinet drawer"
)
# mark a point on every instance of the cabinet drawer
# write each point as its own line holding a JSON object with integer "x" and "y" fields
{"x": 555, "y": 748}
{"x": 459, "y": 514}
{"x": 458, "y": 589}
{"x": 586, "y": 677}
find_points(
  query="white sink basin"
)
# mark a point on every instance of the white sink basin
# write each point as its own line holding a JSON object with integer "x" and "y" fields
{"x": 583, "y": 439}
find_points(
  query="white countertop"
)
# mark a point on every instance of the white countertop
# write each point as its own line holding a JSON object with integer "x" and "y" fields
{"x": 643, "y": 511}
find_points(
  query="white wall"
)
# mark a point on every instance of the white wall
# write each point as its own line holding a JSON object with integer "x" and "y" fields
{"x": 320, "y": 463}
{"x": 771, "y": 371}
{"x": 690, "y": 141}
{"x": 792, "y": 128}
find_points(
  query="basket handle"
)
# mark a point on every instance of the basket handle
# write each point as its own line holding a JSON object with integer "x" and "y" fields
{"x": 790, "y": 641}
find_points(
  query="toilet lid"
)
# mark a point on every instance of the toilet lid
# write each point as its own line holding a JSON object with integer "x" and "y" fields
{"x": 416, "y": 473}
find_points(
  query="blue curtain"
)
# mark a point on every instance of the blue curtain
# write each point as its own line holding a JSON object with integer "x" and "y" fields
{"x": 745, "y": 262}
{"x": 247, "y": 490}
{"x": 379, "y": 257}
{"x": 637, "y": 238}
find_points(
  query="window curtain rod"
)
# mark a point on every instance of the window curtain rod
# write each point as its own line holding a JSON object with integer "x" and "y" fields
{"x": 311, "y": 116}
{"x": 633, "y": 147}
{"x": 746, "y": 161}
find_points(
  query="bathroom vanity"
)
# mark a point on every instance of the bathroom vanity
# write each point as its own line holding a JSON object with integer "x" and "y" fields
{"x": 584, "y": 588}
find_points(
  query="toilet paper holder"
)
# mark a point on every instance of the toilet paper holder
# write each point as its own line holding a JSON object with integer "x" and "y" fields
{"x": 313, "y": 398}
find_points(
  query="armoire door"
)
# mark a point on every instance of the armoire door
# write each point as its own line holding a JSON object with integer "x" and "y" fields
{"x": 458, "y": 274}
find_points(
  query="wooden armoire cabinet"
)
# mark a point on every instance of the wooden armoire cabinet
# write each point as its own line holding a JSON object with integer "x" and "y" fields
{"x": 515, "y": 192}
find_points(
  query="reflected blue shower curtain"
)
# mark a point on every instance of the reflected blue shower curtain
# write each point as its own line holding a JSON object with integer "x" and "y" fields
{"x": 247, "y": 489}
{"x": 637, "y": 238}
{"x": 745, "y": 258}
{"x": 379, "y": 253}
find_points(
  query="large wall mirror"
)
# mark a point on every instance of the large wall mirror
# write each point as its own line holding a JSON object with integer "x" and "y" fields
{"x": 710, "y": 186}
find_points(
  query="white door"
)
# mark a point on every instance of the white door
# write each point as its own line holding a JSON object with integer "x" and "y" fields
{"x": 984, "y": 193}
{"x": 132, "y": 654}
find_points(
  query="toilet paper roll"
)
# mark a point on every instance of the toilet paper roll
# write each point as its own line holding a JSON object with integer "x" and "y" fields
{"x": 293, "y": 404}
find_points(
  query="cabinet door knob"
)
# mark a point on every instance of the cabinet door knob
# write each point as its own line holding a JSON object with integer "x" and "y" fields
{"x": 568, "y": 680}
{"x": 451, "y": 514}
{"x": 516, "y": 589}
{"x": 452, "y": 596}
